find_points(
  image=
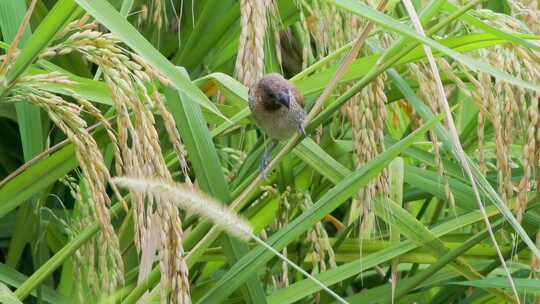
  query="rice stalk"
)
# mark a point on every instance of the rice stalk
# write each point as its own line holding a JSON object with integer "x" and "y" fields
{"x": 191, "y": 200}
{"x": 528, "y": 12}
{"x": 84, "y": 259}
{"x": 67, "y": 117}
{"x": 426, "y": 90}
{"x": 286, "y": 206}
{"x": 12, "y": 51}
{"x": 128, "y": 77}
{"x": 367, "y": 116}
{"x": 249, "y": 66}
{"x": 458, "y": 149}
{"x": 322, "y": 253}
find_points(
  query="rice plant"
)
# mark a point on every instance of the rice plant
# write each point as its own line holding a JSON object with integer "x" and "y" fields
{"x": 142, "y": 160}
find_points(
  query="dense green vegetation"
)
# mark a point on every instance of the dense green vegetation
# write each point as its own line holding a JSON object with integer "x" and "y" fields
{"x": 417, "y": 182}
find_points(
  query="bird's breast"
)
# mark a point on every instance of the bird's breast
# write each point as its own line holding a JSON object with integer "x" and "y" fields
{"x": 277, "y": 124}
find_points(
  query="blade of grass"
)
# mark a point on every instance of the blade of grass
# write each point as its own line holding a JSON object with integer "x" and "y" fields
{"x": 444, "y": 136}
{"x": 388, "y": 22}
{"x": 12, "y": 15}
{"x": 120, "y": 27}
{"x": 58, "y": 259}
{"x": 524, "y": 286}
{"x": 326, "y": 204}
{"x": 313, "y": 155}
{"x": 301, "y": 289}
{"x": 475, "y": 22}
{"x": 14, "y": 279}
{"x": 381, "y": 293}
{"x": 36, "y": 178}
{"x": 207, "y": 169}
{"x": 316, "y": 82}
{"x": 396, "y": 172}
{"x": 6, "y": 296}
{"x": 418, "y": 233}
{"x": 47, "y": 29}
{"x": 457, "y": 148}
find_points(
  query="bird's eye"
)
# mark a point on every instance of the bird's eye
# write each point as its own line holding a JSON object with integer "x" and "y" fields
{"x": 272, "y": 95}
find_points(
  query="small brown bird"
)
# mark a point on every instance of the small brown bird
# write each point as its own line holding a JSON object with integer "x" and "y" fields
{"x": 278, "y": 109}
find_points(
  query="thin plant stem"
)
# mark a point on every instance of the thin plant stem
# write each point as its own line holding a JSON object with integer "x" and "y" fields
{"x": 390, "y": 57}
{"x": 359, "y": 42}
{"x": 243, "y": 198}
{"x": 458, "y": 149}
{"x": 298, "y": 268}
{"x": 20, "y": 32}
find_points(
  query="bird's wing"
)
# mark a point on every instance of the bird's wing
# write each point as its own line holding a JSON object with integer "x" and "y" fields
{"x": 251, "y": 97}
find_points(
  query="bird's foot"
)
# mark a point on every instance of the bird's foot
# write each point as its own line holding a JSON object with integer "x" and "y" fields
{"x": 263, "y": 165}
{"x": 266, "y": 159}
{"x": 303, "y": 130}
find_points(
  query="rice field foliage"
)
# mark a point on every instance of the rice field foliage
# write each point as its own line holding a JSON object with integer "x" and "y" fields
{"x": 130, "y": 164}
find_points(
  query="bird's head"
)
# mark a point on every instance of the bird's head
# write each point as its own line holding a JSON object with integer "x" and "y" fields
{"x": 276, "y": 92}
{"x": 282, "y": 98}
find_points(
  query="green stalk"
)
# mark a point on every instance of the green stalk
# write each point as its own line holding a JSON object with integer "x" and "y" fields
{"x": 207, "y": 169}
{"x": 409, "y": 284}
{"x": 445, "y": 260}
{"x": 47, "y": 29}
{"x": 331, "y": 200}
{"x": 390, "y": 57}
{"x": 36, "y": 178}
{"x": 31, "y": 131}
{"x": 58, "y": 259}
{"x": 445, "y": 295}
{"x": 321, "y": 63}
{"x": 208, "y": 238}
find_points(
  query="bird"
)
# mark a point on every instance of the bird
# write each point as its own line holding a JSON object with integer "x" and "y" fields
{"x": 278, "y": 110}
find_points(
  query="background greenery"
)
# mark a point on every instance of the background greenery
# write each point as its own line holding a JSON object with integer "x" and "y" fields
{"x": 417, "y": 236}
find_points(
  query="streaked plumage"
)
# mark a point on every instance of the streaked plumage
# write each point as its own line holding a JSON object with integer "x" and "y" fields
{"x": 271, "y": 115}
{"x": 277, "y": 108}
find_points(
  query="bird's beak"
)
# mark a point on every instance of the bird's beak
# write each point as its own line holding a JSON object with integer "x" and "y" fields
{"x": 284, "y": 99}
